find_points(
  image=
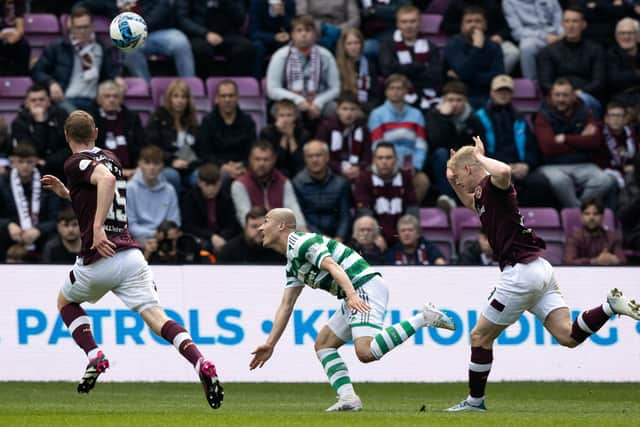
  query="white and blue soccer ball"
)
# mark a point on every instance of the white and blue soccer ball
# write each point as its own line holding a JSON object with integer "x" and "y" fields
{"x": 128, "y": 31}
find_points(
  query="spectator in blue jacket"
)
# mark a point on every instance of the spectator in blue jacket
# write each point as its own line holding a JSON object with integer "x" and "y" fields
{"x": 324, "y": 196}
{"x": 72, "y": 68}
{"x": 509, "y": 139}
{"x": 269, "y": 27}
{"x": 472, "y": 57}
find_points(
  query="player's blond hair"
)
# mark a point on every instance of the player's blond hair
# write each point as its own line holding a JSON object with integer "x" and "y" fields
{"x": 79, "y": 127}
{"x": 464, "y": 156}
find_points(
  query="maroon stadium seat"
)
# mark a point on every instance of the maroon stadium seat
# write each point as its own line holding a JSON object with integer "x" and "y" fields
{"x": 40, "y": 29}
{"x": 465, "y": 225}
{"x": 546, "y": 224}
{"x": 12, "y": 93}
{"x": 526, "y": 97}
{"x": 434, "y": 223}
{"x": 430, "y": 26}
{"x": 138, "y": 97}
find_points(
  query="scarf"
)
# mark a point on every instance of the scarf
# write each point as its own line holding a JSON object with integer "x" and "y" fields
{"x": 419, "y": 52}
{"x": 85, "y": 51}
{"x": 349, "y": 153}
{"x": 303, "y": 71}
{"x": 363, "y": 82}
{"x": 619, "y": 158}
{"x": 27, "y": 212}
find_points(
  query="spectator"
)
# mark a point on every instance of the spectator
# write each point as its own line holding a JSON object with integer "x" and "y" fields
{"x": 269, "y": 27}
{"x": 496, "y": 26}
{"x": 579, "y": 60}
{"x": 408, "y": 53}
{"x": 214, "y": 28}
{"x": 63, "y": 247}
{"x": 601, "y": 17}
{"x": 169, "y": 245}
{"x": 378, "y": 21}
{"x": 568, "y": 136}
{"x": 412, "y": 248}
{"x": 150, "y": 198}
{"x": 15, "y": 51}
{"x": 72, "y": 68}
{"x": 325, "y": 198}
{"x": 163, "y": 37}
{"x": 472, "y": 57}
{"x": 592, "y": 244}
{"x": 17, "y": 254}
{"x": 120, "y": 128}
{"x": 402, "y": 126}
{"x": 264, "y": 186}
{"x": 287, "y": 136}
{"x": 509, "y": 139}
{"x": 173, "y": 127}
{"x": 246, "y": 248}
{"x": 226, "y": 134}
{"x": 619, "y": 145}
{"x": 331, "y": 17}
{"x": 386, "y": 192}
{"x": 477, "y": 252}
{"x": 348, "y": 138}
{"x": 628, "y": 208}
{"x": 27, "y": 213}
{"x": 40, "y": 124}
{"x": 303, "y": 72}
{"x": 367, "y": 241}
{"x": 5, "y": 147}
{"x": 534, "y": 25}
{"x": 358, "y": 75}
{"x": 450, "y": 125}
{"x": 207, "y": 210}
{"x": 623, "y": 63}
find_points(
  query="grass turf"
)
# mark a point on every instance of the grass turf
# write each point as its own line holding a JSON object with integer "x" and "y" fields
{"x": 164, "y": 404}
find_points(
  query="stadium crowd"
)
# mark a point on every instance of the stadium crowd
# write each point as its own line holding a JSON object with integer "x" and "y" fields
{"x": 358, "y": 106}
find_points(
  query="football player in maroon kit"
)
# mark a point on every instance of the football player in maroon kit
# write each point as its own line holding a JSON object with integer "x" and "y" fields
{"x": 110, "y": 259}
{"x": 527, "y": 281}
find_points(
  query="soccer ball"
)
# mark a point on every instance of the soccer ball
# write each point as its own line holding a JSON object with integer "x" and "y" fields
{"x": 128, "y": 31}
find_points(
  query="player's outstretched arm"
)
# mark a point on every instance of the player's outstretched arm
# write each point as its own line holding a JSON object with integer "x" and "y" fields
{"x": 106, "y": 183}
{"x": 52, "y": 183}
{"x": 354, "y": 302}
{"x": 500, "y": 172}
{"x": 263, "y": 352}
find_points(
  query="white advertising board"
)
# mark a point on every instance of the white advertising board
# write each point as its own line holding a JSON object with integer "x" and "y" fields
{"x": 229, "y": 310}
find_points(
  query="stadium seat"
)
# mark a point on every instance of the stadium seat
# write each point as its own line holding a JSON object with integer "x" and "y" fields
{"x": 435, "y": 227}
{"x": 40, "y": 29}
{"x": 12, "y": 94}
{"x": 465, "y": 225}
{"x": 250, "y": 96}
{"x": 138, "y": 97}
{"x": 430, "y": 26}
{"x": 571, "y": 220}
{"x": 526, "y": 97}
{"x": 438, "y": 6}
{"x": 159, "y": 87}
{"x": 546, "y": 224}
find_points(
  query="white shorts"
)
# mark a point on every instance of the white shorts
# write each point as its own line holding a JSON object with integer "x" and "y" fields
{"x": 347, "y": 325}
{"x": 126, "y": 274}
{"x": 524, "y": 287}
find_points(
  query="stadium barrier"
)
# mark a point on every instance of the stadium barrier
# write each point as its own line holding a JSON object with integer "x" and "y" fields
{"x": 229, "y": 312}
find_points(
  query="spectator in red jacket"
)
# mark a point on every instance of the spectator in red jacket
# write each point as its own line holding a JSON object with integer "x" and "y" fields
{"x": 592, "y": 244}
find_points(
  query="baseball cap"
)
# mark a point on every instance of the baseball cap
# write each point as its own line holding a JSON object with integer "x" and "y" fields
{"x": 502, "y": 81}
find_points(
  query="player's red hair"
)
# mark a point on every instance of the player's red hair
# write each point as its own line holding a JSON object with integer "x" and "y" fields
{"x": 79, "y": 127}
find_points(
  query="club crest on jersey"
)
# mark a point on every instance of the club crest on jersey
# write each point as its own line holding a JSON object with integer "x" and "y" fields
{"x": 478, "y": 193}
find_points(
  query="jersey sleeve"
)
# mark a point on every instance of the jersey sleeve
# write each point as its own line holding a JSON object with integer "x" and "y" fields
{"x": 313, "y": 250}
{"x": 79, "y": 170}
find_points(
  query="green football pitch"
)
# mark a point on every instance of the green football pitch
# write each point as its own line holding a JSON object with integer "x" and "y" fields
{"x": 168, "y": 404}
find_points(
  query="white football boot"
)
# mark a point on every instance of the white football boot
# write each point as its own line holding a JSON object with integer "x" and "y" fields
{"x": 437, "y": 319}
{"x": 466, "y": 406}
{"x": 347, "y": 403}
{"x": 623, "y": 305}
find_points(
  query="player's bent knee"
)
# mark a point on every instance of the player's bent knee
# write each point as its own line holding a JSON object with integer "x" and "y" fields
{"x": 567, "y": 341}
{"x": 364, "y": 355}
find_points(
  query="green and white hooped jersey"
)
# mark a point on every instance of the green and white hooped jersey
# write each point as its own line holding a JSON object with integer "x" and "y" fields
{"x": 305, "y": 252}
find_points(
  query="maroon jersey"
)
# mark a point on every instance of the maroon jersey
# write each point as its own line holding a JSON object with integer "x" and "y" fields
{"x": 84, "y": 198}
{"x": 510, "y": 240}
